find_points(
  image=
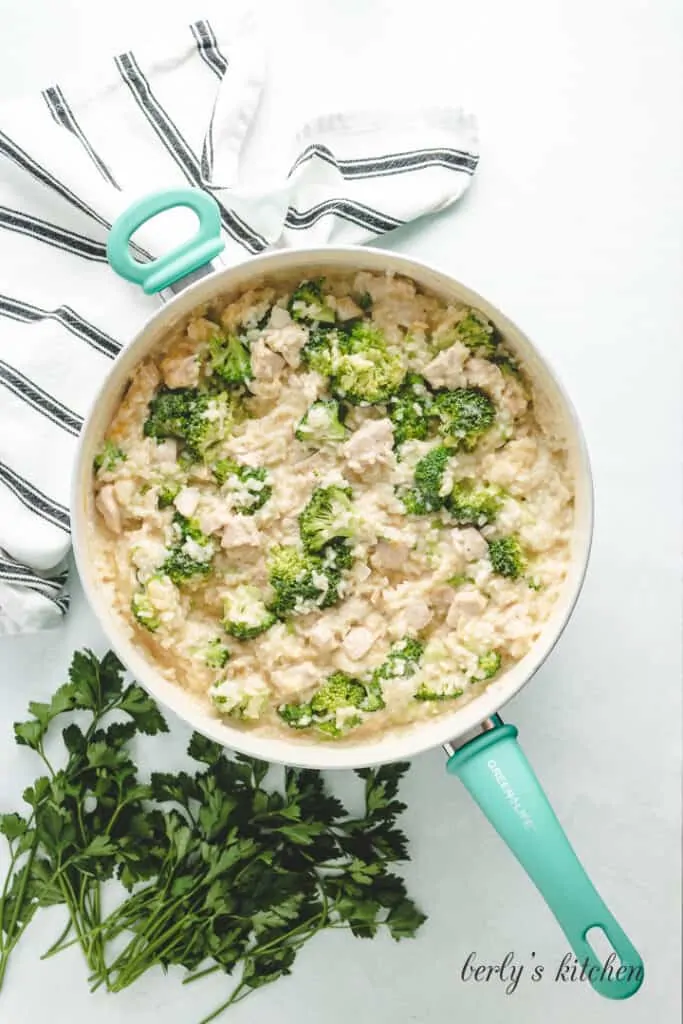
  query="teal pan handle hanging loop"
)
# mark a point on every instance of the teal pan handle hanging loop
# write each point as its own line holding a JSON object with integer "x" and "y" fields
{"x": 496, "y": 773}
{"x": 180, "y": 262}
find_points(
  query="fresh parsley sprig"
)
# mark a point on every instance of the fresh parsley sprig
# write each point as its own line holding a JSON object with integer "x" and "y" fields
{"x": 219, "y": 873}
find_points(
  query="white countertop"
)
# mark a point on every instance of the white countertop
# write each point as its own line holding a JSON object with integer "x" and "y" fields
{"x": 573, "y": 227}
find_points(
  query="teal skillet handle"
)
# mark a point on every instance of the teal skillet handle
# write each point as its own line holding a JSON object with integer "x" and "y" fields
{"x": 164, "y": 271}
{"x": 497, "y": 774}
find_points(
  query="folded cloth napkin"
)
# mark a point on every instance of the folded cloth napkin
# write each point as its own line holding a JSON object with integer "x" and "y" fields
{"x": 73, "y": 158}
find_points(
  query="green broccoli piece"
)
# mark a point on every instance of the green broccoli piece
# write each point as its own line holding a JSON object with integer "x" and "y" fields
{"x": 414, "y": 502}
{"x": 191, "y": 554}
{"x": 465, "y": 415}
{"x": 480, "y": 336}
{"x": 110, "y": 455}
{"x": 229, "y": 359}
{"x": 216, "y": 654}
{"x": 245, "y": 615}
{"x": 167, "y": 494}
{"x": 297, "y": 579}
{"x": 224, "y": 468}
{"x": 335, "y": 559}
{"x": 308, "y": 305}
{"x": 446, "y": 690}
{"x": 144, "y": 611}
{"x": 244, "y": 699}
{"x": 489, "y": 664}
{"x": 507, "y": 557}
{"x": 321, "y": 423}
{"x": 365, "y": 301}
{"x": 472, "y": 505}
{"x": 429, "y": 474}
{"x": 410, "y": 410}
{"x": 328, "y": 514}
{"x": 401, "y": 662}
{"x": 196, "y": 418}
{"x": 339, "y": 693}
{"x": 249, "y": 485}
{"x": 365, "y": 371}
{"x": 296, "y": 716}
{"x": 425, "y": 496}
{"x": 321, "y": 351}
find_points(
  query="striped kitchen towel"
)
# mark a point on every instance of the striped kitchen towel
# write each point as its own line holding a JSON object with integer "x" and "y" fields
{"x": 72, "y": 158}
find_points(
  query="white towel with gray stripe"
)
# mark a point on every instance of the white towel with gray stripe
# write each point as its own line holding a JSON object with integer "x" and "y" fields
{"x": 73, "y": 157}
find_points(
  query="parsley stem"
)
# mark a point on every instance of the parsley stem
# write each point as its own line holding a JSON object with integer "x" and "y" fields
{"x": 19, "y": 900}
{"x": 236, "y": 997}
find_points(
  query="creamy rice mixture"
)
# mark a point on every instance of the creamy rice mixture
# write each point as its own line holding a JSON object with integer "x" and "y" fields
{"x": 331, "y": 508}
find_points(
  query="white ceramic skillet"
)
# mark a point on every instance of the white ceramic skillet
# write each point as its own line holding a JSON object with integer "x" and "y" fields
{"x": 482, "y": 751}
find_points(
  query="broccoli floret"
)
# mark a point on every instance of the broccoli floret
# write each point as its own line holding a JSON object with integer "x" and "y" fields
{"x": 414, "y": 502}
{"x": 110, "y": 455}
{"x": 246, "y": 698}
{"x": 196, "y": 418}
{"x": 167, "y": 494}
{"x": 365, "y": 371}
{"x": 480, "y": 336}
{"x": 402, "y": 661}
{"x": 445, "y": 690}
{"x": 328, "y": 514}
{"x": 321, "y": 351}
{"x": 321, "y": 423}
{"x": 229, "y": 359}
{"x": 296, "y": 716}
{"x": 488, "y": 665}
{"x": 364, "y": 301}
{"x": 335, "y": 558}
{"x": 308, "y": 305}
{"x": 297, "y": 579}
{"x": 245, "y": 614}
{"x": 338, "y": 691}
{"x": 216, "y": 654}
{"x": 248, "y": 485}
{"x": 429, "y": 473}
{"x": 472, "y": 505}
{"x": 465, "y": 415}
{"x": 191, "y": 554}
{"x": 507, "y": 557}
{"x": 144, "y": 611}
{"x": 425, "y": 496}
{"x": 410, "y": 410}
{"x": 335, "y": 707}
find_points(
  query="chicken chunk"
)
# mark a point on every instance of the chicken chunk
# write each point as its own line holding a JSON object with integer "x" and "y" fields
{"x": 181, "y": 371}
{"x": 390, "y": 555}
{"x": 294, "y": 680}
{"x": 370, "y": 445}
{"x": 472, "y": 544}
{"x": 213, "y": 514}
{"x": 186, "y": 501}
{"x": 287, "y": 342}
{"x": 241, "y": 532}
{"x": 265, "y": 363}
{"x": 357, "y": 642}
{"x": 413, "y": 618}
{"x": 446, "y": 369}
{"x": 322, "y": 634}
{"x": 109, "y": 507}
{"x": 468, "y": 602}
{"x": 165, "y": 452}
{"x": 346, "y": 308}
